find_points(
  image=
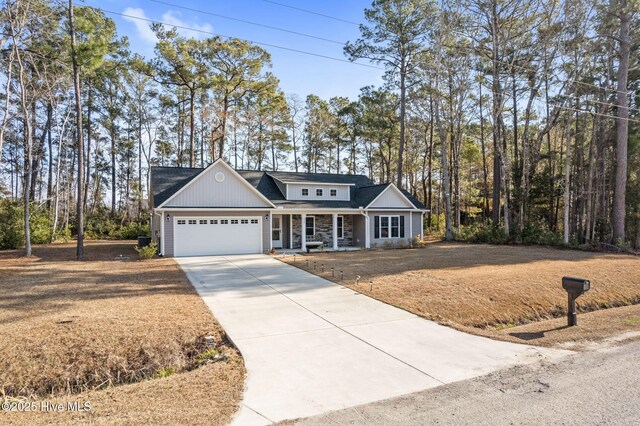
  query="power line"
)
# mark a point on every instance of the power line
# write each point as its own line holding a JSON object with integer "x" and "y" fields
{"x": 312, "y": 12}
{"x": 477, "y": 49}
{"x": 249, "y": 22}
{"x": 182, "y": 27}
{"x": 630, "y": 120}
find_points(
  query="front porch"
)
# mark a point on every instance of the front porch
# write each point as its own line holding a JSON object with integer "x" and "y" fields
{"x": 336, "y": 231}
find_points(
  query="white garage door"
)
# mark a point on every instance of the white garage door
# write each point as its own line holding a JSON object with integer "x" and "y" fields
{"x": 201, "y": 236}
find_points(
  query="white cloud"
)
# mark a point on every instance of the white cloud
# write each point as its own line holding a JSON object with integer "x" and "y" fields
{"x": 171, "y": 18}
{"x": 143, "y": 27}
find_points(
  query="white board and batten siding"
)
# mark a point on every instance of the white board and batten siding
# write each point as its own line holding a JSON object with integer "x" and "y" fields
{"x": 220, "y": 187}
{"x": 391, "y": 198}
{"x": 294, "y": 191}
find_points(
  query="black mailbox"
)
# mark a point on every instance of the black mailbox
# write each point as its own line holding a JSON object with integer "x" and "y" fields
{"x": 574, "y": 287}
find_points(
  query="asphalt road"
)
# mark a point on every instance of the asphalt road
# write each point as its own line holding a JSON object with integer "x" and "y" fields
{"x": 601, "y": 386}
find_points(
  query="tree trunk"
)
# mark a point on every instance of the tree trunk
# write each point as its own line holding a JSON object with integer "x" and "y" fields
{"x": 622, "y": 127}
{"x": 88, "y": 156}
{"x": 497, "y": 117}
{"x": 402, "y": 121}
{"x": 50, "y": 154}
{"x": 192, "y": 127}
{"x": 80, "y": 144}
{"x": 567, "y": 184}
{"x": 484, "y": 158}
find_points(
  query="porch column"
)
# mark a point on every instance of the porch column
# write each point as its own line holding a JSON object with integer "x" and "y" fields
{"x": 303, "y": 236}
{"x": 410, "y": 226}
{"x": 367, "y": 232}
{"x": 290, "y": 231}
{"x": 335, "y": 230}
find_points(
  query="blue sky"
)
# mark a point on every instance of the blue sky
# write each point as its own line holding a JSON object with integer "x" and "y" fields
{"x": 298, "y": 73}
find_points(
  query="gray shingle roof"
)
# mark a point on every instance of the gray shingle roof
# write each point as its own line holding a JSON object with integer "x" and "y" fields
{"x": 166, "y": 181}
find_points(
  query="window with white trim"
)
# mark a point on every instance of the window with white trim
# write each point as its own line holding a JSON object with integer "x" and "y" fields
{"x": 224, "y": 222}
{"x": 389, "y": 226}
{"x": 234, "y": 221}
{"x": 182, "y": 222}
{"x": 203, "y": 221}
{"x": 192, "y": 221}
{"x": 340, "y": 227}
{"x": 319, "y": 192}
{"x": 254, "y": 221}
{"x": 305, "y": 192}
{"x": 244, "y": 221}
{"x": 213, "y": 222}
{"x": 310, "y": 226}
{"x": 334, "y": 192}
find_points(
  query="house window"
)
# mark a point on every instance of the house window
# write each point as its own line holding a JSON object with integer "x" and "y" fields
{"x": 254, "y": 221}
{"x": 389, "y": 227}
{"x": 310, "y": 226}
{"x": 181, "y": 222}
{"x": 192, "y": 221}
{"x": 318, "y": 192}
{"x": 224, "y": 222}
{"x": 234, "y": 221}
{"x": 340, "y": 227}
{"x": 305, "y": 192}
{"x": 213, "y": 222}
{"x": 384, "y": 226}
{"x": 244, "y": 221}
{"x": 203, "y": 221}
{"x": 395, "y": 226}
{"x": 334, "y": 192}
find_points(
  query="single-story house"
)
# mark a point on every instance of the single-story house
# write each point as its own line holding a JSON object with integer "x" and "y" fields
{"x": 219, "y": 210}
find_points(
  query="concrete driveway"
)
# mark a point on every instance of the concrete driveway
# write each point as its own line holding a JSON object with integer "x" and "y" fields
{"x": 311, "y": 346}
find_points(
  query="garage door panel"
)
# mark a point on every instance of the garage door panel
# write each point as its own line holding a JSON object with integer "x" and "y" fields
{"x": 202, "y": 236}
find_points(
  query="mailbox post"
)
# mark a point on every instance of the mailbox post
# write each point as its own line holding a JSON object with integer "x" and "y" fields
{"x": 574, "y": 287}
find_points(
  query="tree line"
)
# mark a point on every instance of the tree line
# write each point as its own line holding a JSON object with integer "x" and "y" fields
{"x": 511, "y": 120}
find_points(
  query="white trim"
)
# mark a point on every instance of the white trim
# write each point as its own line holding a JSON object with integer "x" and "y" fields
{"x": 389, "y": 234}
{"x": 422, "y": 226}
{"x": 270, "y": 231}
{"x": 216, "y": 209}
{"x": 290, "y": 231}
{"x": 315, "y": 183}
{"x": 367, "y": 234}
{"x": 162, "y": 252}
{"x": 334, "y": 230}
{"x": 236, "y": 174}
{"x": 303, "y": 233}
{"x": 410, "y": 226}
{"x": 391, "y": 185}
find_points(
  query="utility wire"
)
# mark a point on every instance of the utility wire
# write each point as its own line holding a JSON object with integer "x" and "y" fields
{"x": 361, "y": 64}
{"x": 312, "y": 12}
{"x": 591, "y": 112}
{"x": 477, "y": 50}
{"x": 249, "y": 22}
{"x": 304, "y": 52}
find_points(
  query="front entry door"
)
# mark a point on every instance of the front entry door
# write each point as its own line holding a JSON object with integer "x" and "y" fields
{"x": 276, "y": 232}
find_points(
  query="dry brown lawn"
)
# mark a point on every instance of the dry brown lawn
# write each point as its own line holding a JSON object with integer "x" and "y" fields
{"x": 101, "y": 331}
{"x": 485, "y": 287}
